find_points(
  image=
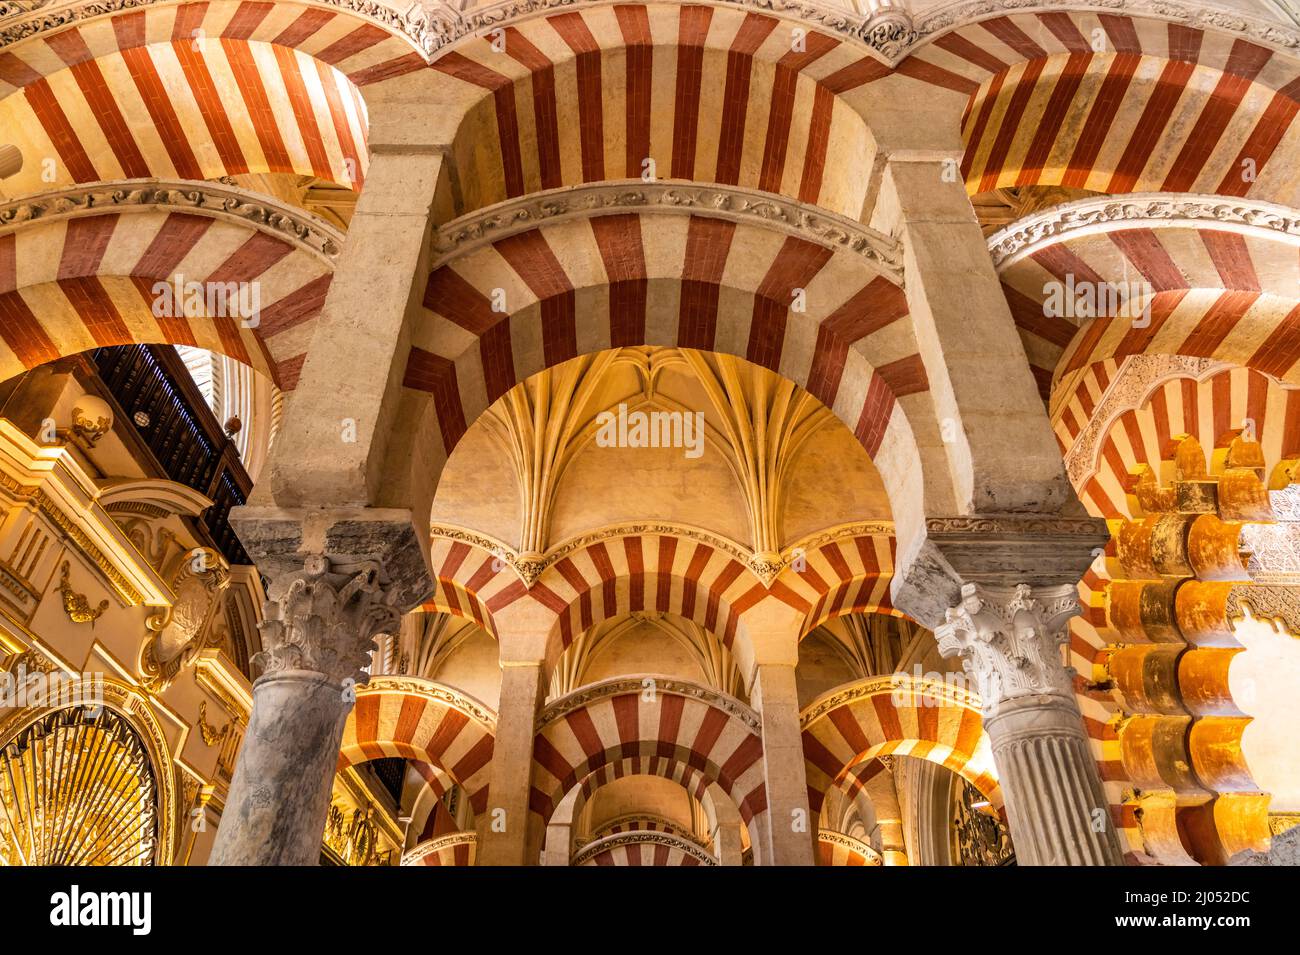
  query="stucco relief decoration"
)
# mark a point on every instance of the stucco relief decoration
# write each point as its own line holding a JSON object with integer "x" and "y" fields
{"x": 178, "y": 633}
{"x": 1009, "y": 643}
{"x": 324, "y": 619}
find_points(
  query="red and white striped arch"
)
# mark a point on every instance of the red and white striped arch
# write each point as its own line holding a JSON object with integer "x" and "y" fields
{"x": 418, "y": 719}
{"x": 924, "y": 719}
{"x": 68, "y": 285}
{"x": 644, "y": 849}
{"x": 1206, "y": 407}
{"x": 1226, "y": 290}
{"x": 684, "y": 736}
{"x": 842, "y": 576}
{"x": 1045, "y": 107}
{"x": 672, "y": 278}
{"x": 452, "y": 849}
{"x": 835, "y": 848}
{"x": 709, "y": 93}
{"x": 196, "y": 91}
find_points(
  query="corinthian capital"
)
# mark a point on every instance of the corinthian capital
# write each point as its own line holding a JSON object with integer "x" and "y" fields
{"x": 1009, "y": 640}
{"x": 324, "y": 618}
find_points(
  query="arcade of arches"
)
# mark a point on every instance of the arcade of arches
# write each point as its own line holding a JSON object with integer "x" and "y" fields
{"x": 760, "y": 432}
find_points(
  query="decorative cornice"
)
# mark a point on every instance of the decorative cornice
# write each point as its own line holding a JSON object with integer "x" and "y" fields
{"x": 1264, "y": 32}
{"x": 432, "y": 27}
{"x": 434, "y": 692}
{"x": 530, "y": 567}
{"x": 937, "y": 692}
{"x": 219, "y": 200}
{"x": 433, "y": 846}
{"x": 853, "y": 845}
{"x": 1088, "y": 216}
{"x": 991, "y": 526}
{"x": 642, "y": 837}
{"x": 835, "y": 232}
{"x": 1137, "y": 377}
{"x": 585, "y": 696}
{"x": 426, "y": 31}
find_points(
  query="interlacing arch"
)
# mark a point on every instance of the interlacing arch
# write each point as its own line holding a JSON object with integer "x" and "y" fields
{"x": 418, "y": 719}
{"x": 89, "y": 267}
{"x": 195, "y": 91}
{"x": 673, "y": 728}
{"x": 1203, "y": 111}
{"x": 898, "y": 715}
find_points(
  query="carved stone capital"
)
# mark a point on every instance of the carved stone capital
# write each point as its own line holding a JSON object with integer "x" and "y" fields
{"x": 1041, "y": 550}
{"x": 324, "y": 618}
{"x": 1009, "y": 640}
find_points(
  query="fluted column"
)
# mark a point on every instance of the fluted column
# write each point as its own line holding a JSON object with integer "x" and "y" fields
{"x": 1009, "y": 642}
{"x": 321, "y": 621}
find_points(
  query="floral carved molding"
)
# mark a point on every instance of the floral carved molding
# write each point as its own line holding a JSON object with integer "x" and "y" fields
{"x": 1266, "y": 32}
{"x": 431, "y": 26}
{"x": 1146, "y": 210}
{"x": 298, "y": 228}
{"x": 435, "y": 693}
{"x": 434, "y": 846}
{"x": 651, "y": 684}
{"x": 835, "y": 232}
{"x": 832, "y": 838}
{"x": 642, "y": 837}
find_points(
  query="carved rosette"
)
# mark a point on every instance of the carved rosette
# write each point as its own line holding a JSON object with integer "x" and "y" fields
{"x": 1009, "y": 641}
{"x": 324, "y": 618}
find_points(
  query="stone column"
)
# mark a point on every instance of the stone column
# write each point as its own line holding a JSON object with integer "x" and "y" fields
{"x": 320, "y": 625}
{"x": 791, "y": 829}
{"x": 504, "y": 837}
{"x": 1009, "y": 640}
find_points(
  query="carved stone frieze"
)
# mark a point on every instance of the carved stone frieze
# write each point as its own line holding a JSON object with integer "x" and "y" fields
{"x": 1268, "y": 33}
{"x": 434, "y": 846}
{"x": 1023, "y": 238}
{"x": 732, "y": 203}
{"x": 299, "y": 228}
{"x": 653, "y": 684}
{"x": 832, "y": 838}
{"x": 1278, "y": 604}
{"x": 1009, "y": 641}
{"x": 324, "y": 618}
{"x": 642, "y": 837}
